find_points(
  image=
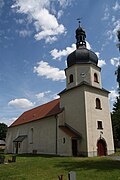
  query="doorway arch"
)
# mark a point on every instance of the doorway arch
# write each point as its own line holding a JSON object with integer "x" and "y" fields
{"x": 101, "y": 147}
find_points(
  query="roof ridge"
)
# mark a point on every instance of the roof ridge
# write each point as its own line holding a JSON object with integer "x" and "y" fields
{"x": 39, "y": 112}
{"x": 41, "y": 105}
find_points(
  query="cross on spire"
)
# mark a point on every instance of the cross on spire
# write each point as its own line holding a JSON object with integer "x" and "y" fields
{"x": 78, "y": 19}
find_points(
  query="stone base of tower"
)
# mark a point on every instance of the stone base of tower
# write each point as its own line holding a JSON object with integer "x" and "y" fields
{"x": 110, "y": 152}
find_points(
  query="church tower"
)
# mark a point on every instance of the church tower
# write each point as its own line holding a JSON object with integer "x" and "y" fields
{"x": 86, "y": 104}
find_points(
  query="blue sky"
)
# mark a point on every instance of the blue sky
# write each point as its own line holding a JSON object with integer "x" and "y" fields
{"x": 35, "y": 39}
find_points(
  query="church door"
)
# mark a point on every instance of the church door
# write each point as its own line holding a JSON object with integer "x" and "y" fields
{"x": 101, "y": 145}
{"x": 16, "y": 147}
{"x": 74, "y": 147}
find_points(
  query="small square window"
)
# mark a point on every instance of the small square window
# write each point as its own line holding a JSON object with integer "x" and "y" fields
{"x": 99, "y": 124}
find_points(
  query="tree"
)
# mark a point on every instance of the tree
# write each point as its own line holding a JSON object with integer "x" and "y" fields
{"x": 118, "y": 35}
{"x": 117, "y": 72}
{"x": 3, "y": 131}
{"x": 116, "y": 106}
{"x": 116, "y": 120}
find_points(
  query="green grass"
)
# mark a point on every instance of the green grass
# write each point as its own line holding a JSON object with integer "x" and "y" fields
{"x": 38, "y": 167}
{"x": 117, "y": 152}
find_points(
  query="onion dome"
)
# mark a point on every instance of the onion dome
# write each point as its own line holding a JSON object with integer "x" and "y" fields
{"x": 81, "y": 54}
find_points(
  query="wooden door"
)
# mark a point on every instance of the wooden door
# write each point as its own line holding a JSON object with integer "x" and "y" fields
{"x": 101, "y": 148}
{"x": 74, "y": 147}
{"x": 16, "y": 147}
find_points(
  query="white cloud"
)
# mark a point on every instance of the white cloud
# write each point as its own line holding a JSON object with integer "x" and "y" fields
{"x": 59, "y": 14}
{"x": 8, "y": 121}
{"x": 113, "y": 94}
{"x": 1, "y": 3}
{"x": 100, "y": 61}
{"x": 44, "y": 97}
{"x": 55, "y": 96}
{"x": 113, "y": 18}
{"x": 40, "y": 14}
{"x": 106, "y": 14}
{"x": 20, "y": 21}
{"x": 24, "y": 33}
{"x": 88, "y": 45}
{"x": 112, "y": 33}
{"x": 49, "y": 72}
{"x": 115, "y": 61}
{"x": 42, "y": 94}
{"x": 114, "y": 25}
{"x": 21, "y": 103}
{"x": 116, "y": 6}
{"x": 58, "y": 54}
{"x": 65, "y": 3}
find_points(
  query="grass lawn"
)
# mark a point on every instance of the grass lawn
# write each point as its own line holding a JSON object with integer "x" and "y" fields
{"x": 38, "y": 167}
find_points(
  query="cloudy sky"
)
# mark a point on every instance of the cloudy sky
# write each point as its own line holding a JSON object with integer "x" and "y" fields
{"x": 35, "y": 39}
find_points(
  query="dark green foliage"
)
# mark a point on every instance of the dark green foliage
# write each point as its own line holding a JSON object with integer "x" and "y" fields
{"x": 116, "y": 106}
{"x": 117, "y": 72}
{"x": 118, "y": 34}
{"x": 3, "y": 131}
{"x": 116, "y": 120}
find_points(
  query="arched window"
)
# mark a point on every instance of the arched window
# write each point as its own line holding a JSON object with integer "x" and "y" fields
{"x": 71, "y": 78}
{"x": 95, "y": 77}
{"x": 98, "y": 103}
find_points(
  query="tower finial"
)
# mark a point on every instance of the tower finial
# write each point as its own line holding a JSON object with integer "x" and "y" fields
{"x": 80, "y": 36}
{"x": 79, "y": 21}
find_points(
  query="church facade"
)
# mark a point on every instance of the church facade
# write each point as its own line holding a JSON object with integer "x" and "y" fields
{"x": 76, "y": 124}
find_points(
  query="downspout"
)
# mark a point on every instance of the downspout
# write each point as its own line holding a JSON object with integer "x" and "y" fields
{"x": 56, "y": 147}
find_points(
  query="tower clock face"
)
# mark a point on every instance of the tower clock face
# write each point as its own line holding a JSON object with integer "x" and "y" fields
{"x": 82, "y": 74}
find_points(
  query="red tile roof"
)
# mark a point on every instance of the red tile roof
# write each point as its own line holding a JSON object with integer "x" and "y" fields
{"x": 45, "y": 110}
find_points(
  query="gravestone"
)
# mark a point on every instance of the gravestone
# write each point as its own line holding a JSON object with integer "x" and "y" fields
{"x": 72, "y": 175}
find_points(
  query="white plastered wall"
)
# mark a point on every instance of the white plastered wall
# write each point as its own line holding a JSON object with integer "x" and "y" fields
{"x": 93, "y": 115}
{"x": 44, "y": 136}
{"x": 74, "y": 106}
{"x": 83, "y": 72}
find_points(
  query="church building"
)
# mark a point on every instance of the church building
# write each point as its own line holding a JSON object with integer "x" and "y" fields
{"x": 76, "y": 124}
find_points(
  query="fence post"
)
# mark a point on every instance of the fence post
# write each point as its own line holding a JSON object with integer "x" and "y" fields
{"x": 72, "y": 175}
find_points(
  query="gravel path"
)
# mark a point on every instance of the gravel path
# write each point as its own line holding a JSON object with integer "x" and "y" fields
{"x": 115, "y": 157}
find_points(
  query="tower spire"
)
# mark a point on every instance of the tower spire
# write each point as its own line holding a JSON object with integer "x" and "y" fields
{"x": 80, "y": 36}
